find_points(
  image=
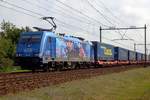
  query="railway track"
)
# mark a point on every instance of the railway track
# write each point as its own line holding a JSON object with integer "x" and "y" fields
{"x": 16, "y": 82}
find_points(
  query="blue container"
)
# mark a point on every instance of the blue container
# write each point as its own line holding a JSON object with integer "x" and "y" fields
{"x": 88, "y": 51}
{"x": 121, "y": 54}
{"x": 138, "y": 56}
{"x": 103, "y": 51}
{"x": 143, "y": 57}
{"x": 132, "y": 55}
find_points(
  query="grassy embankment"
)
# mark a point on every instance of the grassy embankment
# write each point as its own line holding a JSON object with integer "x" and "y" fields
{"x": 129, "y": 85}
{"x": 12, "y": 69}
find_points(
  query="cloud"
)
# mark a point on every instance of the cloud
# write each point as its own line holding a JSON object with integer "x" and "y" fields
{"x": 127, "y": 12}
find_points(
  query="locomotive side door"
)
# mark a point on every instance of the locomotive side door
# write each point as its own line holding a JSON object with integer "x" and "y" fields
{"x": 52, "y": 47}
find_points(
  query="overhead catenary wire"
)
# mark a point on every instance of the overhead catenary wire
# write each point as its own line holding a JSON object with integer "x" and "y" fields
{"x": 33, "y": 12}
{"x": 108, "y": 10}
{"x": 70, "y": 25}
{"x": 59, "y": 11}
{"x": 105, "y": 17}
{"x": 113, "y": 16}
{"x": 91, "y": 5}
{"x": 116, "y": 42}
{"x": 81, "y": 13}
{"x": 127, "y": 36}
{"x": 16, "y": 6}
{"x": 69, "y": 10}
{"x": 118, "y": 32}
{"x": 36, "y": 16}
{"x": 11, "y": 8}
{"x": 76, "y": 18}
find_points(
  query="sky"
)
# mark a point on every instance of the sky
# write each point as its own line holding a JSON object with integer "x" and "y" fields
{"x": 84, "y": 17}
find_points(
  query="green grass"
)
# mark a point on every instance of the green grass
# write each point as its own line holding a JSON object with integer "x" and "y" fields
{"x": 10, "y": 69}
{"x": 129, "y": 85}
{"x": 19, "y": 70}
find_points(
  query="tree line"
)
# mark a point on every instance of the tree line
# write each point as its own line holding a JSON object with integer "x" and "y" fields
{"x": 9, "y": 37}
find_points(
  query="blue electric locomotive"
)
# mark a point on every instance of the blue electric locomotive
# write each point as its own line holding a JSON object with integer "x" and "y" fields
{"x": 48, "y": 50}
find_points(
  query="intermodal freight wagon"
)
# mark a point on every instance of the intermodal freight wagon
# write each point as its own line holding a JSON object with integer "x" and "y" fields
{"x": 103, "y": 53}
{"x": 138, "y": 57}
{"x": 131, "y": 57}
{"x": 121, "y": 55}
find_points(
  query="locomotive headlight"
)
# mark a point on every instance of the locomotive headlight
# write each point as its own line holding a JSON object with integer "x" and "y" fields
{"x": 36, "y": 54}
{"x": 18, "y": 55}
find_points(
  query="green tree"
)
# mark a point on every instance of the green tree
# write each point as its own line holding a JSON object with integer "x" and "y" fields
{"x": 9, "y": 37}
{"x": 7, "y": 51}
{"x": 12, "y": 32}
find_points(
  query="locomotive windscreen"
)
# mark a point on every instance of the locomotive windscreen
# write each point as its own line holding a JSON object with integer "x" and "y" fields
{"x": 29, "y": 45}
{"x": 30, "y": 39}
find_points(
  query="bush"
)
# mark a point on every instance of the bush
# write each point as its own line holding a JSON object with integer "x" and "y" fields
{"x": 9, "y": 36}
{"x": 6, "y": 64}
{"x": 7, "y": 49}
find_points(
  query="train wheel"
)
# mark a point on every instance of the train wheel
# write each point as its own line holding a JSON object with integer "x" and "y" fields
{"x": 77, "y": 66}
{"x": 88, "y": 65}
{"x": 59, "y": 67}
{"x": 45, "y": 68}
{"x": 33, "y": 70}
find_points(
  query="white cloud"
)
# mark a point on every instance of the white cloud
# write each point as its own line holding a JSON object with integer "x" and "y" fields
{"x": 130, "y": 12}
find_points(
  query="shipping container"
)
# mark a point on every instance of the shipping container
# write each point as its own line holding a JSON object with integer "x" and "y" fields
{"x": 103, "y": 51}
{"x": 132, "y": 55}
{"x": 121, "y": 54}
{"x": 138, "y": 56}
{"x": 88, "y": 51}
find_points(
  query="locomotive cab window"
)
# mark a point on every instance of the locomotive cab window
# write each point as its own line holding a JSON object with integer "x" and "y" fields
{"x": 24, "y": 39}
{"x": 30, "y": 39}
{"x": 35, "y": 39}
